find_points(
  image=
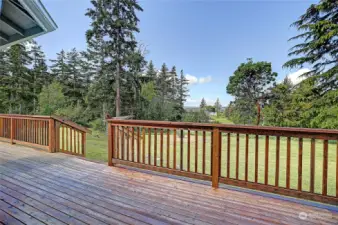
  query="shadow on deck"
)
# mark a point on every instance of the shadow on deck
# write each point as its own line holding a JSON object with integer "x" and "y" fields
{"x": 42, "y": 188}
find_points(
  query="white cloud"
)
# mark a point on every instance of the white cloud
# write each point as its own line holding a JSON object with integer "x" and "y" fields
{"x": 194, "y": 80}
{"x": 296, "y": 77}
{"x": 191, "y": 79}
{"x": 203, "y": 80}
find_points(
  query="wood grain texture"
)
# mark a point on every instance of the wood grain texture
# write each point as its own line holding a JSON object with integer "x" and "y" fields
{"x": 300, "y": 163}
{"x": 312, "y": 165}
{"x": 266, "y": 164}
{"x": 203, "y": 153}
{"x": 277, "y": 161}
{"x": 288, "y": 161}
{"x": 325, "y": 167}
{"x": 62, "y": 189}
{"x": 228, "y": 154}
{"x": 215, "y": 157}
{"x": 237, "y": 156}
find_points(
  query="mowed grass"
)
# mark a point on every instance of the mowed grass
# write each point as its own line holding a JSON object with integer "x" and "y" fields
{"x": 221, "y": 119}
{"x": 97, "y": 150}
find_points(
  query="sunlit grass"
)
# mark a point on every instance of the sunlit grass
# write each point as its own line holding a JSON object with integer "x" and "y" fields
{"x": 221, "y": 119}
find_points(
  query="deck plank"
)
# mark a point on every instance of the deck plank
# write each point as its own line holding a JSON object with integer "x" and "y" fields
{"x": 40, "y": 215}
{"x": 42, "y": 207}
{"x": 8, "y": 219}
{"x": 18, "y": 214}
{"x": 76, "y": 191}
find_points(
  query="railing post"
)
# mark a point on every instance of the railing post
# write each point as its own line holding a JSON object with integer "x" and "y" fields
{"x": 51, "y": 135}
{"x": 215, "y": 157}
{"x": 110, "y": 144}
{"x": 84, "y": 136}
{"x": 12, "y": 131}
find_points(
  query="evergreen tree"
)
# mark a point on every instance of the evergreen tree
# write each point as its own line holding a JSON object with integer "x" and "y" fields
{"x": 182, "y": 92}
{"x": 173, "y": 84}
{"x": 218, "y": 106}
{"x": 151, "y": 74}
{"x": 315, "y": 100}
{"x": 163, "y": 83}
{"x": 40, "y": 76}
{"x": 277, "y": 111}
{"x": 203, "y": 104}
{"x": 117, "y": 22}
{"x": 319, "y": 27}
{"x": 5, "y": 81}
{"x": 75, "y": 82}
{"x": 100, "y": 98}
{"x": 59, "y": 67}
{"x": 19, "y": 83}
{"x": 87, "y": 69}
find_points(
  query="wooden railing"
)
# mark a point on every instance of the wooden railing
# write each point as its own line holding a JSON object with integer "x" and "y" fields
{"x": 52, "y": 133}
{"x": 296, "y": 162}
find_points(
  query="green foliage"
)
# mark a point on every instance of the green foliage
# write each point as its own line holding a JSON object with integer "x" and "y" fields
{"x": 113, "y": 26}
{"x": 148, "y": 91}
{"x": 98, "y": 125}
{"x": 74, "y": 113}
{"x": 276, "y": 112}
{"x": 200, "y": 116}
{"x": 51, "y": 99}
{"x": 249, "y": 85}
{"x": 314, "y": 102}
{"x": 318, "y": 47}
{"x": 218, "y": 107}
{"x": 203, "y": 104}
{"x": 210, "y": 108}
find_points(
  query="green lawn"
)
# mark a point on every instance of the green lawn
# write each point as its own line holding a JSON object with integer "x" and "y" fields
{"x": 97, "y": 150}
{"x": 221, "y": 119}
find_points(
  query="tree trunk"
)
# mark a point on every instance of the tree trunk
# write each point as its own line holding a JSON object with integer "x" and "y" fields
{"x": 258, "y": 113}
{"x": 118, "y": 97}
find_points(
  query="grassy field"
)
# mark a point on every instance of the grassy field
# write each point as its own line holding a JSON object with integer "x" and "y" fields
{"x": 221, "y": 119}
{"x": 97, "y": 150}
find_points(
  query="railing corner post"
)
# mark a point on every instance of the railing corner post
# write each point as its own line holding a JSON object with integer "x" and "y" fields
{"x": 51, "y": 137}
{"x": 12, "y": 130}
{"x": 215, "y": 157}
{"x": 110, "y": 144}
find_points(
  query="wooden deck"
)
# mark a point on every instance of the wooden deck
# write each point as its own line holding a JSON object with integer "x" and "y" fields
{"x": 44, "y": 188}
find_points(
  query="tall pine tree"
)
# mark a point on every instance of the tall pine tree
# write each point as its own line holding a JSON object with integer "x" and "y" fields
{"x": 40, "y": 76}
{"x": 116, "y": 21}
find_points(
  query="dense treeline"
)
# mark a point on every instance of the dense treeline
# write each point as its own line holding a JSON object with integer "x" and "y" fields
{"x": 110, "y": 77}
{"x": 73, "y": 85}
{"x": 310, "y": 103}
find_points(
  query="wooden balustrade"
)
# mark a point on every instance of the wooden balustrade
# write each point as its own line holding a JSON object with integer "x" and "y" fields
{"x": 52, "y": 133}
{"x": 296, "y": 162}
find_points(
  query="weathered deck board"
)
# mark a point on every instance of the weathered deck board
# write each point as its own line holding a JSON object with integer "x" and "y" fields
{"x": 61, "y": 189}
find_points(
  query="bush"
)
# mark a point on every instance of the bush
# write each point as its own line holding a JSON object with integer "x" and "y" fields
{"x": 98, "y": 125}
{"x": 197, "y": 117}
{"x": 73, "y": 113}
{"x": 51, "y": 99}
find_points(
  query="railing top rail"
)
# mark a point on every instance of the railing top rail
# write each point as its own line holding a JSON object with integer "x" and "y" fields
{"x": 24, "y": 116}
{"x": 57, "y": 118}
{"x": 227, "y": 127}
{"x": 71, "y": 124}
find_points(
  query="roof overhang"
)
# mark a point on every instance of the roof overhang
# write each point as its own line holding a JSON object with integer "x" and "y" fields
{"x": 21, "y": 20}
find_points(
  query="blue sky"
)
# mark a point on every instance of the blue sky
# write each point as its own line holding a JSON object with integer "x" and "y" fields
{"x": 208, "y": 39}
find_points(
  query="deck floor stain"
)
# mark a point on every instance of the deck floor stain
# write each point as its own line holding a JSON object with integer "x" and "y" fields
{"x": 37, "y": 187}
